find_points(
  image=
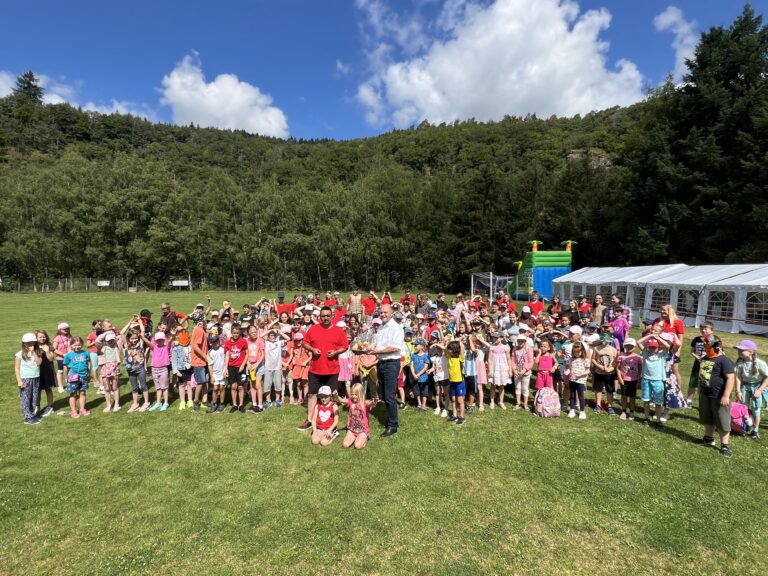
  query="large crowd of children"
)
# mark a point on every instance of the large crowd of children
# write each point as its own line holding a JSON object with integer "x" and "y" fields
{"x": 460, "y": 356}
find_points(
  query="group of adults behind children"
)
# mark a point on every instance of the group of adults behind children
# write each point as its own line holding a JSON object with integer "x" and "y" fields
{"x": 454, "y": 354}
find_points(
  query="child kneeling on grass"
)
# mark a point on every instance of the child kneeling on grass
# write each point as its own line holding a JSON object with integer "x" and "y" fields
{"x": 358, "y": 422}
{"x": 325, "y": 418}
{"x": 654, "y": 350}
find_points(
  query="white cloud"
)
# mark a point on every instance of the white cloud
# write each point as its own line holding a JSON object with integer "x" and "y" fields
{"x": 226, "y": 102}
{"x": 407, "y": 32}
{"x": 686, "y": 36}
{"x": 7, "y": 82}
{"x": 508, "y": 57}
{"x": 342, "y": 69}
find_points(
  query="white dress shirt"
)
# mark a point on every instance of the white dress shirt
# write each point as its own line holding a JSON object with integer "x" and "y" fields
{"x": 390, "y": 335}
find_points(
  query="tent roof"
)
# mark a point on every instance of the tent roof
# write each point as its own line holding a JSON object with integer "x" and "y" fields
{"x": 756, "y": 278}
{"x": 622, "y": 275}
{"x": 679, "y": 275}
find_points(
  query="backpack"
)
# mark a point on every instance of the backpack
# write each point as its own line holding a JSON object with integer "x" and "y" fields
{"x": 547, "y": 403}
{"x": 741, "y": 422}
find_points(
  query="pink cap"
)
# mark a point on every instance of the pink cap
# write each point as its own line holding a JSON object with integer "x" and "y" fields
{"x": 298, "y": 336}
{"x": 63, "y": 325}
{"x": 159, "y": 335}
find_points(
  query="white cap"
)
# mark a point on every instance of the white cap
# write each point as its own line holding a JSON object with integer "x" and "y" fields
{"x": 575, "y": 330}
{"x": 522, "y": 327}
{"x": 29, "y": 337}
{"x": 591, "y": 338}
{"x": 522, "y": 336}
{"x": 63, "y": 325}
{"x": 198, "y": 305}
{"x": 109, "y": 337}
{"x": 341, "y": 324}
{"x": 630, "y": 342}
{"x": 527, "y": 309}
{"x": 159, "y": 335}
{"x": 324, "y": 391}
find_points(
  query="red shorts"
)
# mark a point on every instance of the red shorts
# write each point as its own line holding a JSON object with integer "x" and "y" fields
{"x": 401, "y": 380}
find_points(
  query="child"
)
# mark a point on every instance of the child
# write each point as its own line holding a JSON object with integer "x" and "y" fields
{"x": 630, "y": 365}
{"x": 654, "y": 351}
{"x": 161, "y": 360}
{"x": 110, "y": 373}
{"x": 455, "y": 351}
{"x": 218, "y": 367}
{"x": 254, "y": 363}
{"x": 181, "y": 366}
{"x": 236, "y": 352}
{"x": 300, "y": 359}
{"x": 273, "y": 373}
{"x": 604, "y": 357}
{"x": 28, "y": 360}
{"x": 135, "y": 364}
{"x": 345, "y": 366}
{"x": 77, "y": 369}
{"x": 751, "y": 381}
{"x": 577, "y": 372}
{"x": 47, "y": 370}
{"x": 546, "y": 365}
{"x": 61, "y": 346}
{"x": 358, "y": 425}
{"x": 499, "y": 365}
{"x": 699, "y": 352}
{"x": 325, "y": 418}
{"x": 439, "y": 363}
{"x": 522, "y": 364}
{"x": 419, "y": 368}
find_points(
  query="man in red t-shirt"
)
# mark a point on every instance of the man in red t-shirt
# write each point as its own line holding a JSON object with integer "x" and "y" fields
{"x": 199, "y": 346}
{"x": 408, "y": 297}
{"x": 236, "y": 352}
{"x": 281, "y": 306}
{"x": 324, "y": 341}
{"x": 369, "y": 304}
{"x": 536, "y": 305}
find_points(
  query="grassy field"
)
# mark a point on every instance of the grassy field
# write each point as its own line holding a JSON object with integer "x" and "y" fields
{"x": 182, "y": 492}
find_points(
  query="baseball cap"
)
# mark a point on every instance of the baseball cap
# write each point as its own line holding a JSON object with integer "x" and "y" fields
{"x": 109, "y": 337}
{"x": 377, "y": 321}
{"x": 652, "y": 343}
{"x": 145, "y": 312}
{"x": 298, "y": 336}
{"x": 521, "y": 336}
{"x": 606, "y": 338}
{"x": 409, "y": 330}
{"x": 341, "y": 324}
{"x": 420, "y": 342}
{"x": 420, "y": 316}
{"x": 435, "y": 334}
{"x": 431, "y": 316}
{"x": 63, "y": 326}
{"x": 214, "y": 312}
{"x": 398, "y": 316}
{"x": 198, "y": 305}
{"x": 527, "y": 309}
{"x": 522, "y": 327}
{"x": 746, "y": 345}
{"x": 29, "y": 337}
{"x": 159, "y": 335}
{"x": 591, "y": 338}
{"x": 575, "y": 329}
{"x": 630, "y": 342}
{"x": 324, "y": 391}
{"x": 592, "y": 325}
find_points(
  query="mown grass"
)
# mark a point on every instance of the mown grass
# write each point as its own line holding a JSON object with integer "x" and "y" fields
{"x": 508, "y": 493}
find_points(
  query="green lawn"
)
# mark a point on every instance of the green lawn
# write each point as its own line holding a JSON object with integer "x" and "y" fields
{"x": 182, "y": 492}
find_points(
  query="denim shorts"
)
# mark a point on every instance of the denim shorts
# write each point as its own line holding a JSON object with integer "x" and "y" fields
{"x": 79, "y": 386}
{"x": 201, "y": 374}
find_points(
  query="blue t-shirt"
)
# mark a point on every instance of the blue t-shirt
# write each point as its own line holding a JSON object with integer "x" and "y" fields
{"x": 654, "y": 364}
{"x": 77, "y": 362}
{"x": 419, "y": 361}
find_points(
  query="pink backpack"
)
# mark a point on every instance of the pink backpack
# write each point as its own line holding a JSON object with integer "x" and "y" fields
{"x": 547, "y": 403}
{"x": 741, "y": 422}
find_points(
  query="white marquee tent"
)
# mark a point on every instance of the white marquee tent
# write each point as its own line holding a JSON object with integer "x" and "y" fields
{"x": 733, "y": 296}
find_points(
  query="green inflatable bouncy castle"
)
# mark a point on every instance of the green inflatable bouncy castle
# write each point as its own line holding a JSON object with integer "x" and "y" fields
{"x": 539, "y": 268}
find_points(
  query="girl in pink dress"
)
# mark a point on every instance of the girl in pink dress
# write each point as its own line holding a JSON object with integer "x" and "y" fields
{"x": 358, "y": 422}
{"x": 546, "y": 366}
{"x": 345, "y": 367}
{"x": 498, "y": 366}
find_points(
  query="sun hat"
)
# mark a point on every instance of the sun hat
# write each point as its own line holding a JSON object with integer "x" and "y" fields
{"x": 324, "y": 391}
{"x": 630, "y": 342}
{"x": 29, "y": 337}
{"x": 159, "y": 335}
{"x": 746, "y": 345}
{"x": 63, "y": 326}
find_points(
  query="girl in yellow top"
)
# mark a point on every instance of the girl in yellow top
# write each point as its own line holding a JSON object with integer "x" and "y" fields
{"x": 457, "y": 389}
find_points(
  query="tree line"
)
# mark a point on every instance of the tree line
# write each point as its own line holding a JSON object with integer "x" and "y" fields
{"x": 679, "y": 177}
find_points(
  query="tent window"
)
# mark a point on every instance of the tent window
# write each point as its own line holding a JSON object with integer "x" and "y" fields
{"x": 720, "y": 306}
{"x": 622, "y": 291}
{"x": 660, "y": 297}
{"x": 638, "y": 293}
{"x": 757, "y": 308}
{"x": 688, "y": 302}
{"x": 590, "y": 292}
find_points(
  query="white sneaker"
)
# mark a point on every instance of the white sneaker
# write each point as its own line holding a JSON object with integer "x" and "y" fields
{"x": 493, "y": 406}
{"x": 571, "y": 413}
{"x": 503, "y": 406}
{"x": 437, "y": 411}
{"x": 582, "y": 415}
{"x": 444, "y": 413}
{"x": 664, "y": 416}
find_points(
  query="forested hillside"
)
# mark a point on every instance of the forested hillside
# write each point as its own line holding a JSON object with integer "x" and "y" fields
{"x": 680, "y": 177}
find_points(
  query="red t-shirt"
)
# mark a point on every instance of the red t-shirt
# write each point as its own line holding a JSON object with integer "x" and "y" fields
{"x": 198, "y": 337}
{"x": 536, "y": 307}
{"x": 410, "y": 299}
{"x": 238, "y": 351}
{"x": 331, "y": 302}
{"x": 288, "y": 308}
{"x": 585, "y": 308}
{"x": 324, "y": 416}
{"x": 325, "y": 339}
{"x": 428, "y": 331}
{"x": 338, "y": 314}
{"x": 386, "y": 300}
{"x": 369, "y": 305}
{"x": 677, "y": 327}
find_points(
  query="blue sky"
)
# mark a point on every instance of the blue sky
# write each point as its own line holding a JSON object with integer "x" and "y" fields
{"x": 347, "y": 69}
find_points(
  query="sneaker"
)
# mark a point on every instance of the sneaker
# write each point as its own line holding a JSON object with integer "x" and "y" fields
{"x": 196, "y": 406}
{"x": 233, "y": 409}
{"x": 279, "y": 404}
{"x": 664, "y": 416}
{"x": 220, "y": 408}
{"x": 306, "y": 425}
{"x": 266, "y": 405}
{"x": 503, "y": 406}
{"x": 444, "y": 413}
{"x": 190, "y": 403}
{"x": 31, "y": 420}
{"x": 631, "y": 415}
{"x": 212, "y": 408}
{"x": 100, "y": 390}
{"x": 164, "y": 407}
{"x": 755, "y": 434}
{"x": 144, "y": 407}
{"x": 242, "y": 408}
{"x": 334, "y": 435}
{"x": 623, "y": 416}
{"x": 492, "y": 406}
{"x": 705, "y": 441}
{"x": 597, "y": 410}
{"x": 85, "y": 412}
{"x": 689, "y": 403}
{"x": 402, "y": 405}
{"x": 516, "y": 407}
{"x": 611, "y": 412}
{"x": 47, "y": 411}
{"x": 256, "y": 409}
{"x": 481, "y": 408}
{"x": 107, "y": 409}
{"x": 155, "y": 407}
{"x": 571, "y": 413}
{"x": 116, "y": 408}
{"x": 646, "y": 422}
{"x": 182, "y": 405}
{"x": 725, "y": 450}
{"x": 582, "y": 415}
{"x": 460, "y": 421}
{"x": 452, "y": 418}
{"x": 437, "y": 411}
{"x": 74, "y": 414}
